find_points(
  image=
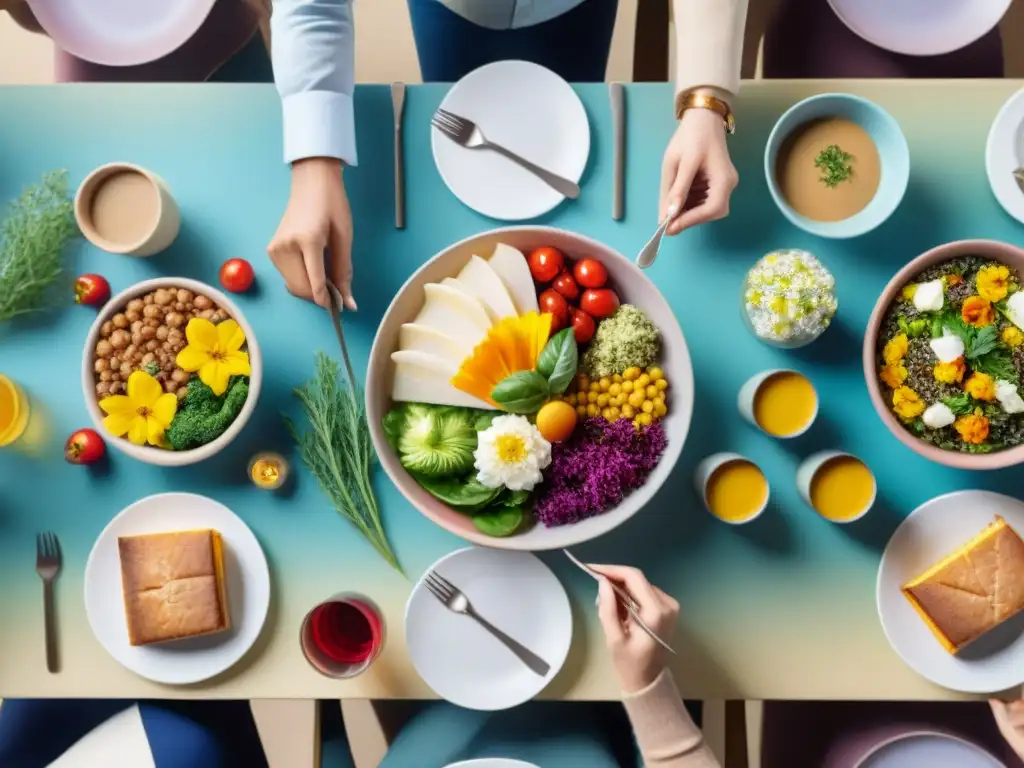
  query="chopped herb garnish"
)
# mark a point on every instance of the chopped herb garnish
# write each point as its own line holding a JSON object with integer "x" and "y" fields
{"x": 834, "y": 164}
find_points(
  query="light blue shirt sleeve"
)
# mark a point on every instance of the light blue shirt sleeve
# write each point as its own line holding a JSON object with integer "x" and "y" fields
{"x": 313, "y": 52}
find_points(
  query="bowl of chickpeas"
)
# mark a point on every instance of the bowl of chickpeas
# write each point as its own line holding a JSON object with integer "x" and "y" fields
{"x": 145, "y": 328}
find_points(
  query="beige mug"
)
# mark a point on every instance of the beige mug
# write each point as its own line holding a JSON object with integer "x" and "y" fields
{"x": 124, "y": 208}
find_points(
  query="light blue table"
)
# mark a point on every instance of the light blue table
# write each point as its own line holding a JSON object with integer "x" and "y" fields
{"x": 781, "y": 608}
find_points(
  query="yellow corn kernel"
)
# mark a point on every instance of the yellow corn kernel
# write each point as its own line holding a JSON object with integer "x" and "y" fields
{"x": 606, "y": 414}
{"x": 570, "y": 399}
{"x": 611, "y": 413}
{"x": 622, "y": 399}
{"x": 593, "y": 410}
{"x": 581, "y": 411}
{"x": 594, "y": 386}
{"x": 627, "y": 411}
{"x": 627, "y": 387}
{"x": 642, "y": 381}
{"x": 643, "y": 419}
{"x": 615, "y": 388}
{"x": 631, "y": 373}
{"x": 605, "y": 382}
{"x": 659, "y": 400}
{"x": 661, "y": 384}
{"x": 647, "y": 406}
{"x": 636, "y": 399}
{"x": 617, "y": 378}
{"x": 592, "y": 397}
{"x": 655, "y": 373}
{"x": 602, "y": 400}
{"x": 660, "y": 410}
{"x": 582, "y": 382}
{"x": 651, "y": 391}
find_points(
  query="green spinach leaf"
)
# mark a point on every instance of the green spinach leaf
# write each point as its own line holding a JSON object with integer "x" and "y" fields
{"x": 499, "y": 521}
{"x": 960, "y": 404}
{"x": 394, "y": 424}
{"x": 466, "y": 493}
{"x": 522, "y": 392}
{"x": 558, "y": 360}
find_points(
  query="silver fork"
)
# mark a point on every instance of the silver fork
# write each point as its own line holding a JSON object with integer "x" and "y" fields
{"x": 466, "y": 133}
{"x": 454, "y": 600}
{"x": 48, "y": 562}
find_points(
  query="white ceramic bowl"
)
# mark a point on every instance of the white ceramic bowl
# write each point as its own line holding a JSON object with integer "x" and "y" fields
{"x": 632, "y": 286}
{"x": 146, "y": 453}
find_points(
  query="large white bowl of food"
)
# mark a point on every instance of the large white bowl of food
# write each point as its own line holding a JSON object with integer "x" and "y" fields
{"x": 533, "y": 389}
{"x": 171, "y": 371}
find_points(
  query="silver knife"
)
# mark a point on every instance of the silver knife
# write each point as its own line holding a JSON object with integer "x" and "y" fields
{"x": 618, "y": 101}
{"x": 398, "y": 103}
{"x": 625, "y": 597}
{"x": 337, "y": 306}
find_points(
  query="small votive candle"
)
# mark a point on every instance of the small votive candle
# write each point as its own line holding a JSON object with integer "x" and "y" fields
{"x": 268, "y": 471}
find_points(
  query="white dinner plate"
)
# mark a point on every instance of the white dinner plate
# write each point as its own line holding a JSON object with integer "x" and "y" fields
{"x": 920, "y": 27}
{"x": 499, "y": 762}
{"x": 929, "y": 750}
{"x": 179, "y": 662}
{"x": 458, "y": 658}
{"x": 934, "y": 530}
{"x": 531, "y": 111}
{"x": 1004, "y": 152}
{"x": 121, "y": 33}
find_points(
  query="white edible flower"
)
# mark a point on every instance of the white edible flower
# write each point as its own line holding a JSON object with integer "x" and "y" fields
{"x": 938, "y": 416}
{"x": 789, "y": 295}
{"x": 929, "y": 296}
{"x": 1008, "y": 396}
{"x": 1015, "y": 309}
{"x": 511, "y": 453}
{"x": 947, "y": 347}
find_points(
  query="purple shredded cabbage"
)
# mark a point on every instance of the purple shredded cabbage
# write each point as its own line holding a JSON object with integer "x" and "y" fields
{"x": 594, "y": 469}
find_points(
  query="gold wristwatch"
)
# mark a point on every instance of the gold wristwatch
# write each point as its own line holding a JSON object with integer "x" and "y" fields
{"x": 690, "y": 100}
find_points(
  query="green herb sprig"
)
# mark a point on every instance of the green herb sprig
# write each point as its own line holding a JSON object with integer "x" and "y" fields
{"x": 33, "y": 235}
{"x": 981, "y": 348}
{"x": 527, "y": 391}
{"x": 338, "y": 451}
{"x": 834, "y": 164}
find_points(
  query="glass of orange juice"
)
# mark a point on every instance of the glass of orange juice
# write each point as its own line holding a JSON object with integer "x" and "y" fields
{"x": 839, "y": 487}
{"x": 733, "y": 488}
{"x": 14, "y": 411}
{"x": 780, "y": 403}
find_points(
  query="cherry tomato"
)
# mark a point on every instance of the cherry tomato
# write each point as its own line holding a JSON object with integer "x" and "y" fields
{"x": 590, "y": 273}
{"x": 236, "y": 275}
{"x": 546, "y": 263}
{"x": 599, "y": 303}
{"x": 583, "y": 325}
{"x": 84, "y": 447}
{"x": 92, "y": 290}
{"x": 556, "y": 305}
{"x": 566, "y": 286}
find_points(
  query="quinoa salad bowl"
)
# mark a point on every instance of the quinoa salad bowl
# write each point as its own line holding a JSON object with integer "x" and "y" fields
{"x": 944, "y": 355}
{"x": 171, "y": 371}
{"x": 536, "y": 389}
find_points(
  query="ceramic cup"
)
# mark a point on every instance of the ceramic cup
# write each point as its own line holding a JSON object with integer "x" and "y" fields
{"x": 342, "y": 648}
{"x": 707, "y": 468}
{"x": 124, "y": 208}
{"x": 810, "y": 467}
{"x": 748, "y": 394}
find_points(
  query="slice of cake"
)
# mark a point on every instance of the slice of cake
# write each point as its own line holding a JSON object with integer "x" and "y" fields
{"x": 174, "y": 585}
{"x": 973, "y": 590}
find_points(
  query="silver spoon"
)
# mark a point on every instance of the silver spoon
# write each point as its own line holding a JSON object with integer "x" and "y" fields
{"x": 650, "y": 251}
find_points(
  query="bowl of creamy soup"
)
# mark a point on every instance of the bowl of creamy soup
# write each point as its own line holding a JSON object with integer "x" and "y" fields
{"x": 837, "y": 165}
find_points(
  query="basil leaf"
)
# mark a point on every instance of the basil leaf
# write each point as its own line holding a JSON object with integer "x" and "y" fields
{"x": 522, "y": 392}
{"x": 500, "y": 522}
{"x": 558, "y": 360}
{"x": 466, "y": 493}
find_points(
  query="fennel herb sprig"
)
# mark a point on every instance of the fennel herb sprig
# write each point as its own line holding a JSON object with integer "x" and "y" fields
{"x": 834, "y": 164}
{"x": 338, "y": 451}
{"x": 33, "y": 234}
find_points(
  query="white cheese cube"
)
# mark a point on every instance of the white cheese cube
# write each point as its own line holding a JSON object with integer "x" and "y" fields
{"x": 938, "y": 416}
{"x": 1015, "y": 309}
{"x": 929, "y": 296}
{"x": 947, "y": 347}
{"x": 1008, "y": 396}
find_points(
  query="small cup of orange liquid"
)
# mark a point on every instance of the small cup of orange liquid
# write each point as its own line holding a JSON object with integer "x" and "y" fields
{"x": 732, "y": 487}
{"x": 14, "y": 411}
{"x": 780, "y": 403}
{"x": 836, "y": 485}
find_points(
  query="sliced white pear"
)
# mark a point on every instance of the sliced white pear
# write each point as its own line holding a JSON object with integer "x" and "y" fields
{"x": 479, "y": 278}
{"x": 511, "y": 266}
{"x": 455, "y": 314}
{"x": 424, "y": 378}
{"x": 420, "y": 338}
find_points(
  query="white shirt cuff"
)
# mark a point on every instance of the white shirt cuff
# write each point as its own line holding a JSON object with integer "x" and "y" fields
{"x": 319, "y": 124}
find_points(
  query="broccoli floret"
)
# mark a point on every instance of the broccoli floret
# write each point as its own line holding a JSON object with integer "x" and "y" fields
{"x": 202, "y": 416}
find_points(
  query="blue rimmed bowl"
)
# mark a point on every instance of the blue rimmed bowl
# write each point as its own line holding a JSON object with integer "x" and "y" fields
{"x": 888, "y": 139}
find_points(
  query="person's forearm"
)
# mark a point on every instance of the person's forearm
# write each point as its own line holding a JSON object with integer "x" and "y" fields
{"x": 313, "y": 53}
{"x": 709, "y": 44}
{"x": 665, "y": 732}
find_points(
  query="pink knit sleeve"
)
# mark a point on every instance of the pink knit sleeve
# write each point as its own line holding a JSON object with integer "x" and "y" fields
{"x": 665, "y": 733}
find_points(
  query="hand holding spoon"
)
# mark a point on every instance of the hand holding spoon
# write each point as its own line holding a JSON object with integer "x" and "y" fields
{"x": 650, "y": 251}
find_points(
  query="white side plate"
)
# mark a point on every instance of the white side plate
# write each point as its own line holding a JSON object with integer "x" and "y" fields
{"x": 1004, "y": 153}
{"x": 928, "y": 750}
{"x": 179, "y": 662}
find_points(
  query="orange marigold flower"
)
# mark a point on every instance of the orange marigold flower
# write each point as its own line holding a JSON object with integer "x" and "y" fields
{"x": 977, "y": 311}
{"x": 893, "y": 375}
{"x": 973, "y": 428}
{"x": 950, "y": 373}
{"x": 981, "y": 386}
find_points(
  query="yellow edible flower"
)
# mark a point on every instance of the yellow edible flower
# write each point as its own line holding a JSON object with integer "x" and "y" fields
{"x": 993, "y": 282}
{"x": 907, "y": 403}
{"x": 1012, "y": 337}
{"x": 952, "y": 280}
{"x": 973, "y": 428}
{"x": 981, "y": 386}
{"x": 896, "y": 349}
{"x": 908, "y": 292}
{"x": 949, "y": 373}
{"x": 214, "y": 351}
{"x": 144, "y": 414}
{"x": 893, "y": 375}
{"x": 977, "y": 311}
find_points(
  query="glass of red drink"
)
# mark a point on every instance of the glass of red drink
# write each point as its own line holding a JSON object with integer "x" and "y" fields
{"x": 342, "y": 636}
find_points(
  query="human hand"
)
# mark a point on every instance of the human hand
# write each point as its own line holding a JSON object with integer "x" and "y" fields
{"x": 697, "y": 175}
{"x": 1009, "y": 718}
{"x": 317, "y": 218}
{"x": 637, "y": 657}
